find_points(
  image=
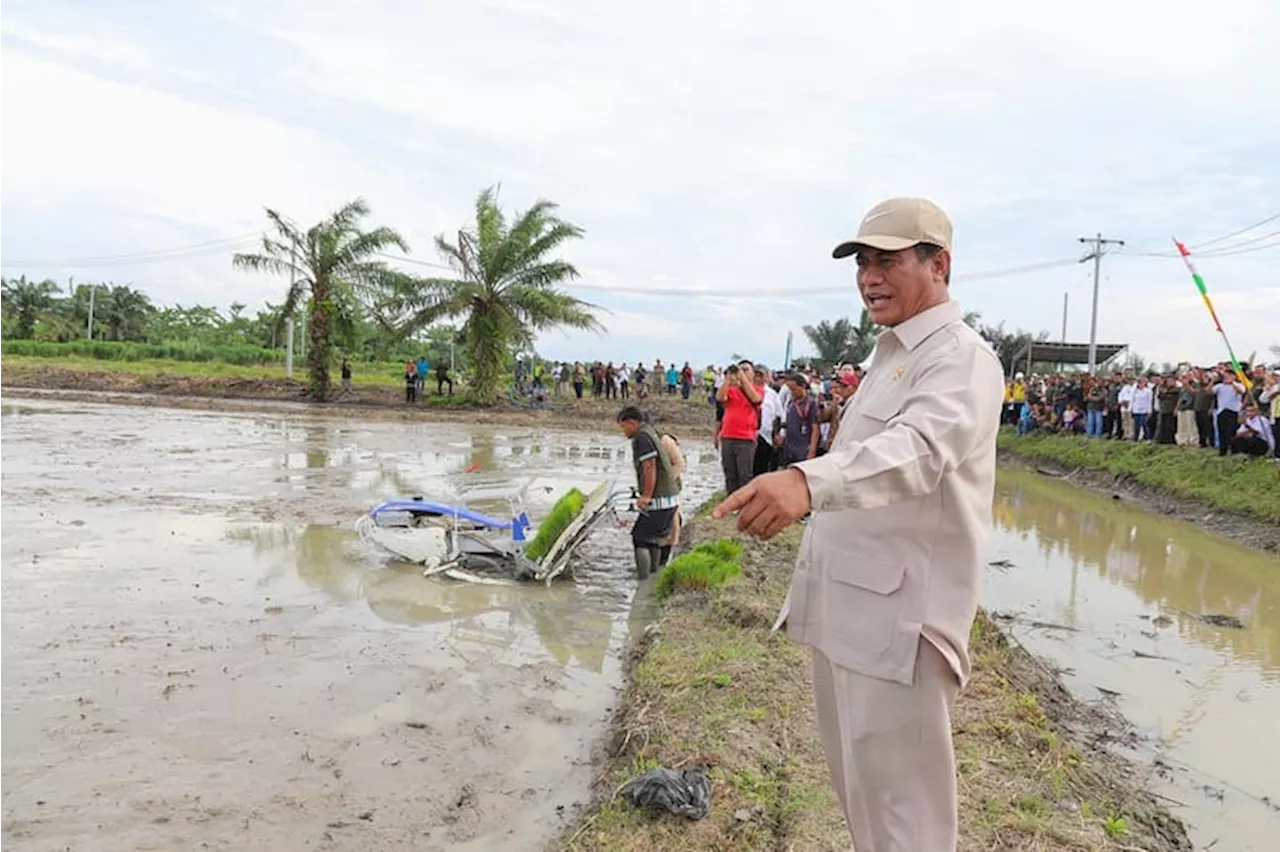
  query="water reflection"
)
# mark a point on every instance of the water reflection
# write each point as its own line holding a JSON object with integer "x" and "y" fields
{"x": 571, "y": 624}
{"x": 1169, "y": 564}
{"x": 1206, "y": 697}
{"x": 482, "y": 456}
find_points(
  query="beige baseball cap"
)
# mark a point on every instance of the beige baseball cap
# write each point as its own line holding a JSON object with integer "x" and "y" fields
{"x": 897, "y": 224}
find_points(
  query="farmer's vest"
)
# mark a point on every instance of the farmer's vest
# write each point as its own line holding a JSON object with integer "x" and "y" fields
{"x": 666, "y": 490}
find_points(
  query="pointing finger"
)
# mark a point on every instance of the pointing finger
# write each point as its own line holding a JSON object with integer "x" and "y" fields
{"x": 733, "y": 502}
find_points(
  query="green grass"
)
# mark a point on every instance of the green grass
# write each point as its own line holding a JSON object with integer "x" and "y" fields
{"x": 568, "y": 507}
{"x": 719, "y": 688}
{"x": 1230, "y": 483}
{"x": 110, "y": 350}
{"x": 725, "y": 548}
{"x": 381, "y": 374}
{"x": 704, "y": 567}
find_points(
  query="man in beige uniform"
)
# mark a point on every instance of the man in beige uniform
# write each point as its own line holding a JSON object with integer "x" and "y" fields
{"x": 894, "y": 549}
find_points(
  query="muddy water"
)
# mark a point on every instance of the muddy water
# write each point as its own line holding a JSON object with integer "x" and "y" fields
{"x": 1089, "y": 583}
{"x": 198, "y": 652}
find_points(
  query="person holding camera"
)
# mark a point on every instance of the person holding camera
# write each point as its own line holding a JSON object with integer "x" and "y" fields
{"x": 737, "y": 436}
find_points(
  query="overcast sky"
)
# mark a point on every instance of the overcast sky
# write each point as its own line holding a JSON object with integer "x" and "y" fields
{"x": 718, "y": 146}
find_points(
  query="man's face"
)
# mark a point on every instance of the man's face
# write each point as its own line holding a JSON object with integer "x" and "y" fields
{"x": 747, "y": 372}
{"x": 797, "y": 392}
{"x": 841, "y": 391}
{"x": 897, "y": 285}
{"x": 628, "y": 428}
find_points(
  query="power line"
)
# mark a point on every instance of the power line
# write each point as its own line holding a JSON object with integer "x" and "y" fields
{"x": 766, "y": 292}
{"x": 1275, "y": 243}
{"x": 417, "y": 262}
{"x": 1223, "y": 251}
{"x": 176, "y": 253}
{"x": 1195, "y": 247}
{"x": 1270, "y": 218}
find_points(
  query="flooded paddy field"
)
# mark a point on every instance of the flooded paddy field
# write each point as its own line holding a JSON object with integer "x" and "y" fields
{"x": 1116, "y": 598}
{"x": 197, "y": 650}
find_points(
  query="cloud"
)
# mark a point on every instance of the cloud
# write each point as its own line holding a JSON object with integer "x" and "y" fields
{"x": 699, "y": 150}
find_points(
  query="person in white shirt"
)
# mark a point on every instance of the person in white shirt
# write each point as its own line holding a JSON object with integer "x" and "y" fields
{"x": 1228, "y": 397}
{"x": 1255, "y": 435}
{"x": 773, "y": 413}
{"x": 1141, "y": 406}
{"x": 1126, "y": 408}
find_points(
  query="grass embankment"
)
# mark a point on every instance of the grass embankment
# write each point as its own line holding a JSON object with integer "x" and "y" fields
{"x": 717, "y": 688}
{"x": 1234, "y": 484}
{"x": 117, "y": 350}
{"x": 380, "y": 374}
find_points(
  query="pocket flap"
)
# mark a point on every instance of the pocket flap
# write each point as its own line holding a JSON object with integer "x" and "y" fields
{"x": 881, "y": 408}
{"x": 883, "y": 578}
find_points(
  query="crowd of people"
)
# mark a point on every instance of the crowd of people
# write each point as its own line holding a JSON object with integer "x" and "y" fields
{"x": 1210, "y": 407}
{"x": 764, "y": 419}
{"x": 610, "y": 381}
{"x": 767, "y": 420}
{"x": 415, "y": 378}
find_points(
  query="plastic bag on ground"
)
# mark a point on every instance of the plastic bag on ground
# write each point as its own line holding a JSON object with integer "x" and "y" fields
{"x": 684, "y": 792}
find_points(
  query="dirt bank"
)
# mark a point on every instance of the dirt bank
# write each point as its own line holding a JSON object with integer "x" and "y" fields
{"x": 1220, "y": 481}
{"x": 711, "y": 685}
{"x": 694, "y": 418}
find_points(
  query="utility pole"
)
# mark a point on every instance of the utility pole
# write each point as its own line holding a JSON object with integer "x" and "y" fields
{"x": 1099, "y": 249}
{"x": 88, "y": 330}
{"x": 1064, "y": 317}
{"x": 288, "y": 349}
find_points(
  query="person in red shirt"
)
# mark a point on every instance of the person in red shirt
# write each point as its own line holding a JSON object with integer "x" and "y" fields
{"x": 741, "y": 399}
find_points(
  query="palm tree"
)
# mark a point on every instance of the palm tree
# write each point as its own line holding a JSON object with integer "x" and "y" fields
{"x": 126, "y": 312}
{"x": 505, "y": 289}
{"x": 831, "y": 339}
{"x": 842, "y": 341}
{"x": 331, "y": 267}
{"x": 864, "y": 339}
{"x": 25, "y": 301}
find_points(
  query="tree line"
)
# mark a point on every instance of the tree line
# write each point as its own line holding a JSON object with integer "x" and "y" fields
{"x": 500, "y": 287}
{"x": 841, "y": 341}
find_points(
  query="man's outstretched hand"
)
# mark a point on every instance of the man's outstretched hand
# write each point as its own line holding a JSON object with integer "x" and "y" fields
{"x": 769, "y": 503}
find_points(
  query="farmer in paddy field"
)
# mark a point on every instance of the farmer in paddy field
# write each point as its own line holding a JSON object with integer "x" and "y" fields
{"x": 659, "y": 493}
{"x": 885, "y": 588}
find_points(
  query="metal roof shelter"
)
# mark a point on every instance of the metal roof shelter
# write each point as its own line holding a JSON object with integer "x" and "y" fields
{"x": 1044, "y": 352}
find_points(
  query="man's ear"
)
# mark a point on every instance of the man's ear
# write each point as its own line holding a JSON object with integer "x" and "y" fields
{"x": 942, "y": 265}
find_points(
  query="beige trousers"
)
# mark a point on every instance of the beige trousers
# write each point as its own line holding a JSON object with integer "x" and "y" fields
{"x": 1187, "y": 435}
{"x": 889, "y": 750}
{"x": 1126, "y": 424}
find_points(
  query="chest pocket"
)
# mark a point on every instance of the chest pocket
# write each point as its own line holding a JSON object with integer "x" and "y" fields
{"x": 882, "y": 408}
{"x": 870, "y": 415}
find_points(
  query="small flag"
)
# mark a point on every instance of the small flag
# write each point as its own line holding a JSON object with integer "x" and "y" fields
{"x": 1208, "y": 303}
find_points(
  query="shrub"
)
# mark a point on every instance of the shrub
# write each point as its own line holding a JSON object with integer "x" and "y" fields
{"x": 697, "y": 569}
{"x": 568, "y": 507}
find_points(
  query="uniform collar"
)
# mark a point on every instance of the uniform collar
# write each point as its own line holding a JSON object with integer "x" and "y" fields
{"x": 912, "y": 332}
